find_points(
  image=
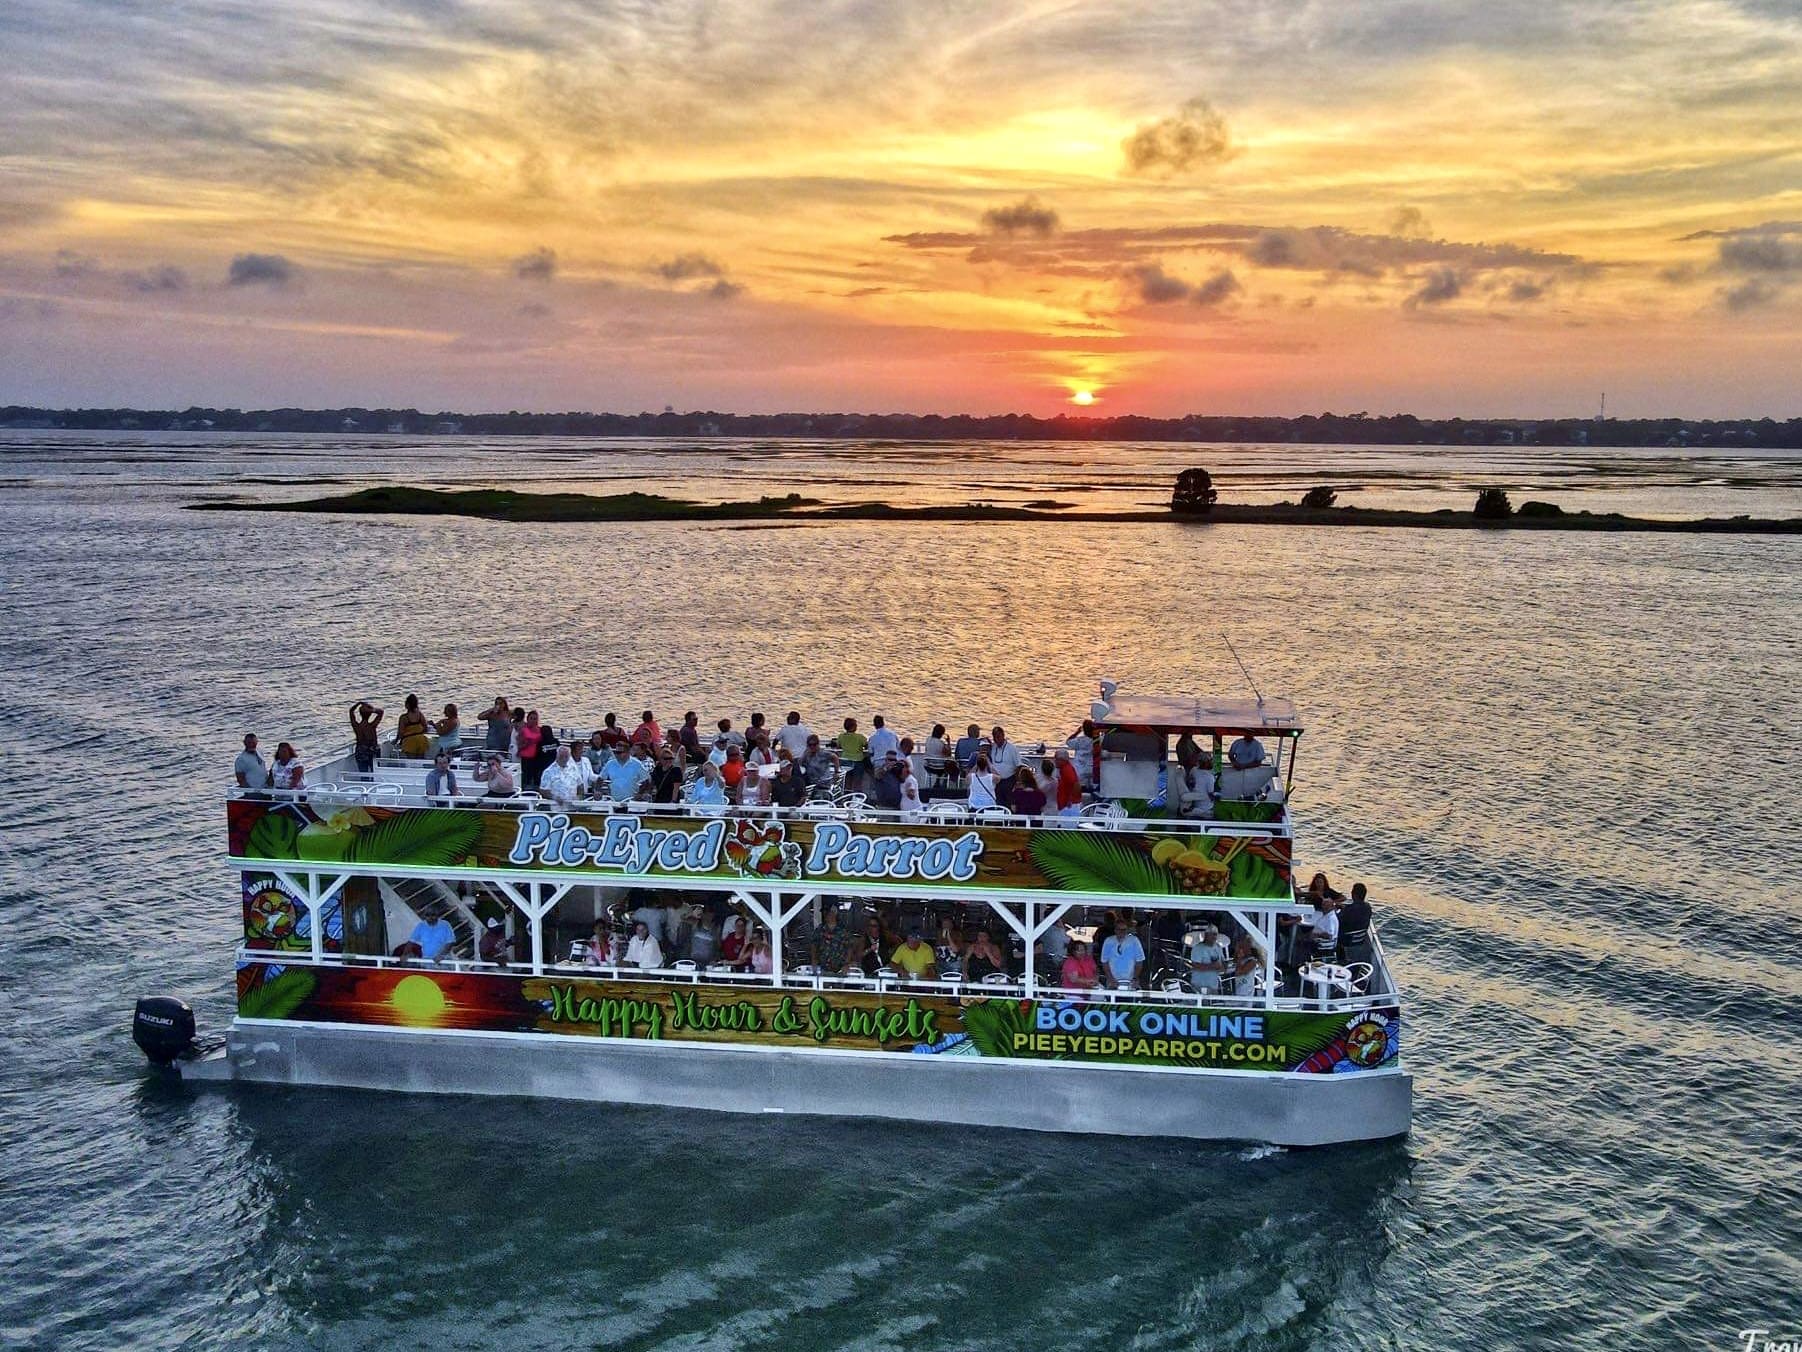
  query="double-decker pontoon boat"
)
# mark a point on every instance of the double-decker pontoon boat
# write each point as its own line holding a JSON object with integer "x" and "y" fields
{"x": 524, "y": 1001}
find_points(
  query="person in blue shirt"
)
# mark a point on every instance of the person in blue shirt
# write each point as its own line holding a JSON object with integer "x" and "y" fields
{"x": 441, "y": 780}
{"x": 882, "y": 741}
{"x": 1122, "y": 957}
{"x": 624, "y": 775}
{"x": 708, "y": 793}
{"x": 968, "y": 747}
{"x": 1245, "y": 753}
{"x": 432, "y": 937}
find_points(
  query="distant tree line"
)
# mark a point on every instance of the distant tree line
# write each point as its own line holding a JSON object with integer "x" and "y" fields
{"x": 1402, "y": 429}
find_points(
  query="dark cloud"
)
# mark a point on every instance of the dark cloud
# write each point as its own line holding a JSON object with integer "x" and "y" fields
{"x": 1761, "y": 251}
{"x": 1273, "y": 249}
{"x": 688, "y": 267}
{"x": 163, "y": 277}
{"x": 257, "y": 269}
{"x": 1765, "y": 258}
{"x": 1434, "y": 270}
{"x": 1157, "y": 287}
{"x": 725, "y": 290}
{"x": 1028, "y": 216}
{"x": 1194, "y": 138}
{"x": 1410, "y": 222}
{"x": 1217, "y": 289}
{"x": 1748, "y": 295}
{"x": 540, "y": 265}
{"x": 1440, "y": 285}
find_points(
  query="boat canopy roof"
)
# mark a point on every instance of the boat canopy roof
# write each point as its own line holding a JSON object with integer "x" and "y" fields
{"x": 1273, "y": 717}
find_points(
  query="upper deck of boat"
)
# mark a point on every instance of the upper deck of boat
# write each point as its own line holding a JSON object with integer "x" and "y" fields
{"x": 1126, "y": 780}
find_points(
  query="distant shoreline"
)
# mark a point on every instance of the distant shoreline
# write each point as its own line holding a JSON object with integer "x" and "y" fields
{"x": 1322, "y": 429}
{"x": 509, "y": 505}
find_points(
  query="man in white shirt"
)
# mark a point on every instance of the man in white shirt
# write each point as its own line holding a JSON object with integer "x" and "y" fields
{"x": 250, "y": 769}
{"x": 792, "y": 736}
{"x": 1207, "y": 960}
{"x": 624, "y": 775}
{"x": 1004, "y": 760}
{"x": 882, "y": 741}
{"x": 1246, "y": 752}
{"x": 566, "y": 779}
{"x": 644, "y": 950}
{"x": 911, "y": 806}
{"x": 1326, "y": 929}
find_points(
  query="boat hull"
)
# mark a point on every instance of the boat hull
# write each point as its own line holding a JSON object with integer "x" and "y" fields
{"x": 1059, "y": 1096}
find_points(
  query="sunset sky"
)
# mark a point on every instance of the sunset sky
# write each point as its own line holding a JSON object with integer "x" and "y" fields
{"x": 1504, "y": 207}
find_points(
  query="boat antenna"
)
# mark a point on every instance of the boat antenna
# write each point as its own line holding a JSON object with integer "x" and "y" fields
{"x": 1253, "y": 684}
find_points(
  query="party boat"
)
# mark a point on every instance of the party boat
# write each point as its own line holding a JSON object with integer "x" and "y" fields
{"x": 525, "y": 1000}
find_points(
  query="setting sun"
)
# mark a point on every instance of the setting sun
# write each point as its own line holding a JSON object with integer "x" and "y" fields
{"x": 1083, "y": 397}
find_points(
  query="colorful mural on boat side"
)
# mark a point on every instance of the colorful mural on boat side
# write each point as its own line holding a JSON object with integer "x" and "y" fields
{"x": 641, "y": 847}
{"x": 1150, "y": 1035}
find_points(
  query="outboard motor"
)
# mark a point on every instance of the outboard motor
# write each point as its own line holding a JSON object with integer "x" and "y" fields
{"x": 163, "y": 1028}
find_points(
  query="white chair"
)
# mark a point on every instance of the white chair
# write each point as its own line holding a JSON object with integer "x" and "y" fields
{"x": 997, "y": 979}
{"x": 945, "y": 810}
{"x": 1241, "y": 785}
{"x": 993, "y": 815}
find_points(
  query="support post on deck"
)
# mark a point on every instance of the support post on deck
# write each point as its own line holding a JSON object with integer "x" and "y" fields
{"x": 1029, "y": 975}
{"x": 307, "y": 888}
{"x": 1261, "y": 929}
{"x": 535, "y": 918}
{"x": 538, "y": 900}
{"x": 784, "y": 914}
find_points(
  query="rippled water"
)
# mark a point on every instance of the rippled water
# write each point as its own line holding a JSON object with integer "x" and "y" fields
{"x": 1564, "y": 763}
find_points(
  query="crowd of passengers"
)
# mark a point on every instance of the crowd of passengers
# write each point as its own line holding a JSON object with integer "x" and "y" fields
{"x": 761, "y": 766}
{"x": 652, "y": 931}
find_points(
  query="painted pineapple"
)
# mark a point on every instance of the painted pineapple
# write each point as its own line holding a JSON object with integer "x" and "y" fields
{"x": 1197, "y": 873}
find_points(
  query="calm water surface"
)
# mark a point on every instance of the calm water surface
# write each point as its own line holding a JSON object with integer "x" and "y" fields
{"x": 1564, "y": 764}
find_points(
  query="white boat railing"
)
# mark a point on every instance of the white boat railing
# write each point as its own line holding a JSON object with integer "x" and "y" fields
{"x": 802, "y": 979}
{"x": 337, "y": 785}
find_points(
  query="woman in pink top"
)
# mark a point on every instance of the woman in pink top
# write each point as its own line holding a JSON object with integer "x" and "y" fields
{"x": 757, "y": 957}
{"x": 1080, "y": 972}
